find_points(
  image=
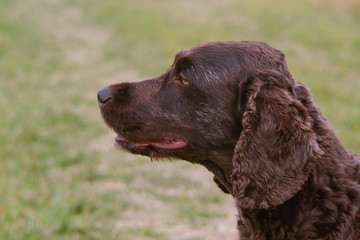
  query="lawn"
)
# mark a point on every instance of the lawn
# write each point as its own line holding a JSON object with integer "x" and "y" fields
{"x": 60, "y": 177}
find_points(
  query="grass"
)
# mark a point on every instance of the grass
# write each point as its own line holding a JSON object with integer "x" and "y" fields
{"x": 60, "y": 178}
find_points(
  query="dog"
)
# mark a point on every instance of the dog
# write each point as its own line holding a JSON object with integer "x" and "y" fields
{"x": 234, "y": 108}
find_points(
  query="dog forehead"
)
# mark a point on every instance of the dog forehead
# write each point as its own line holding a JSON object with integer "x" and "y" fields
{"x": 203, "y": 58}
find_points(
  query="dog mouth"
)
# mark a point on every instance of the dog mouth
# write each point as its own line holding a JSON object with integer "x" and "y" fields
{"x": 161, "y": 144}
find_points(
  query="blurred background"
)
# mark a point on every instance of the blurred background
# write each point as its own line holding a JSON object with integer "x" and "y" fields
{"x": 61, "y": 178}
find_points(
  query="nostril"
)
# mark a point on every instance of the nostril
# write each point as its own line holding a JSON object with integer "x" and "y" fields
{"x": 104, "y": 95}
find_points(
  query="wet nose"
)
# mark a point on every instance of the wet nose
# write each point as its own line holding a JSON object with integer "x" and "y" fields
{"x": 103, "y": 95}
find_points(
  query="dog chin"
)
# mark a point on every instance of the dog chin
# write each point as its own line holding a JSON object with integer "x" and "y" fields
{"x": 153, "y": 149}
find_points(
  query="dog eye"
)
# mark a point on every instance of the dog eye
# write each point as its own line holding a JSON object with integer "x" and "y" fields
{"x": 183, "y": 81}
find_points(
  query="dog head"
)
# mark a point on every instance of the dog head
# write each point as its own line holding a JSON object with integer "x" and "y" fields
{"x": 231, "y": 106}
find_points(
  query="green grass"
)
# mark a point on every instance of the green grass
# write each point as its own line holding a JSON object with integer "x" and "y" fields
{"x": 60, "y": 178}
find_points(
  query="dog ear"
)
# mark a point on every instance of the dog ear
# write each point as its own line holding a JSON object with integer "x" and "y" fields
{"x": 277, "y": 146}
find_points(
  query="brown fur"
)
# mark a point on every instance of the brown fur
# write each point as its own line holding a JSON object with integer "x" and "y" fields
{"x": 235, "y": 108}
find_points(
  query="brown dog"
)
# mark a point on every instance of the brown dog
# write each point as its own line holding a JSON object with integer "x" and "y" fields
{"x": 235, "y": 108}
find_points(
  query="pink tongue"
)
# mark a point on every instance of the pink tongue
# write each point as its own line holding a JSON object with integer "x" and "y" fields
{"x": 170, "y": 144}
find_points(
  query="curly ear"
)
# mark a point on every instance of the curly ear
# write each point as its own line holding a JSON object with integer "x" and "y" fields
{"x": 277, "y": 145}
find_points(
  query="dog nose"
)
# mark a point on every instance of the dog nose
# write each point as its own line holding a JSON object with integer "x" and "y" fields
{"x": 103, "y": 95}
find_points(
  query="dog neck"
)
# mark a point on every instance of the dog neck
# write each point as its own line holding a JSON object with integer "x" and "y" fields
{"x": 220, "y": 164}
